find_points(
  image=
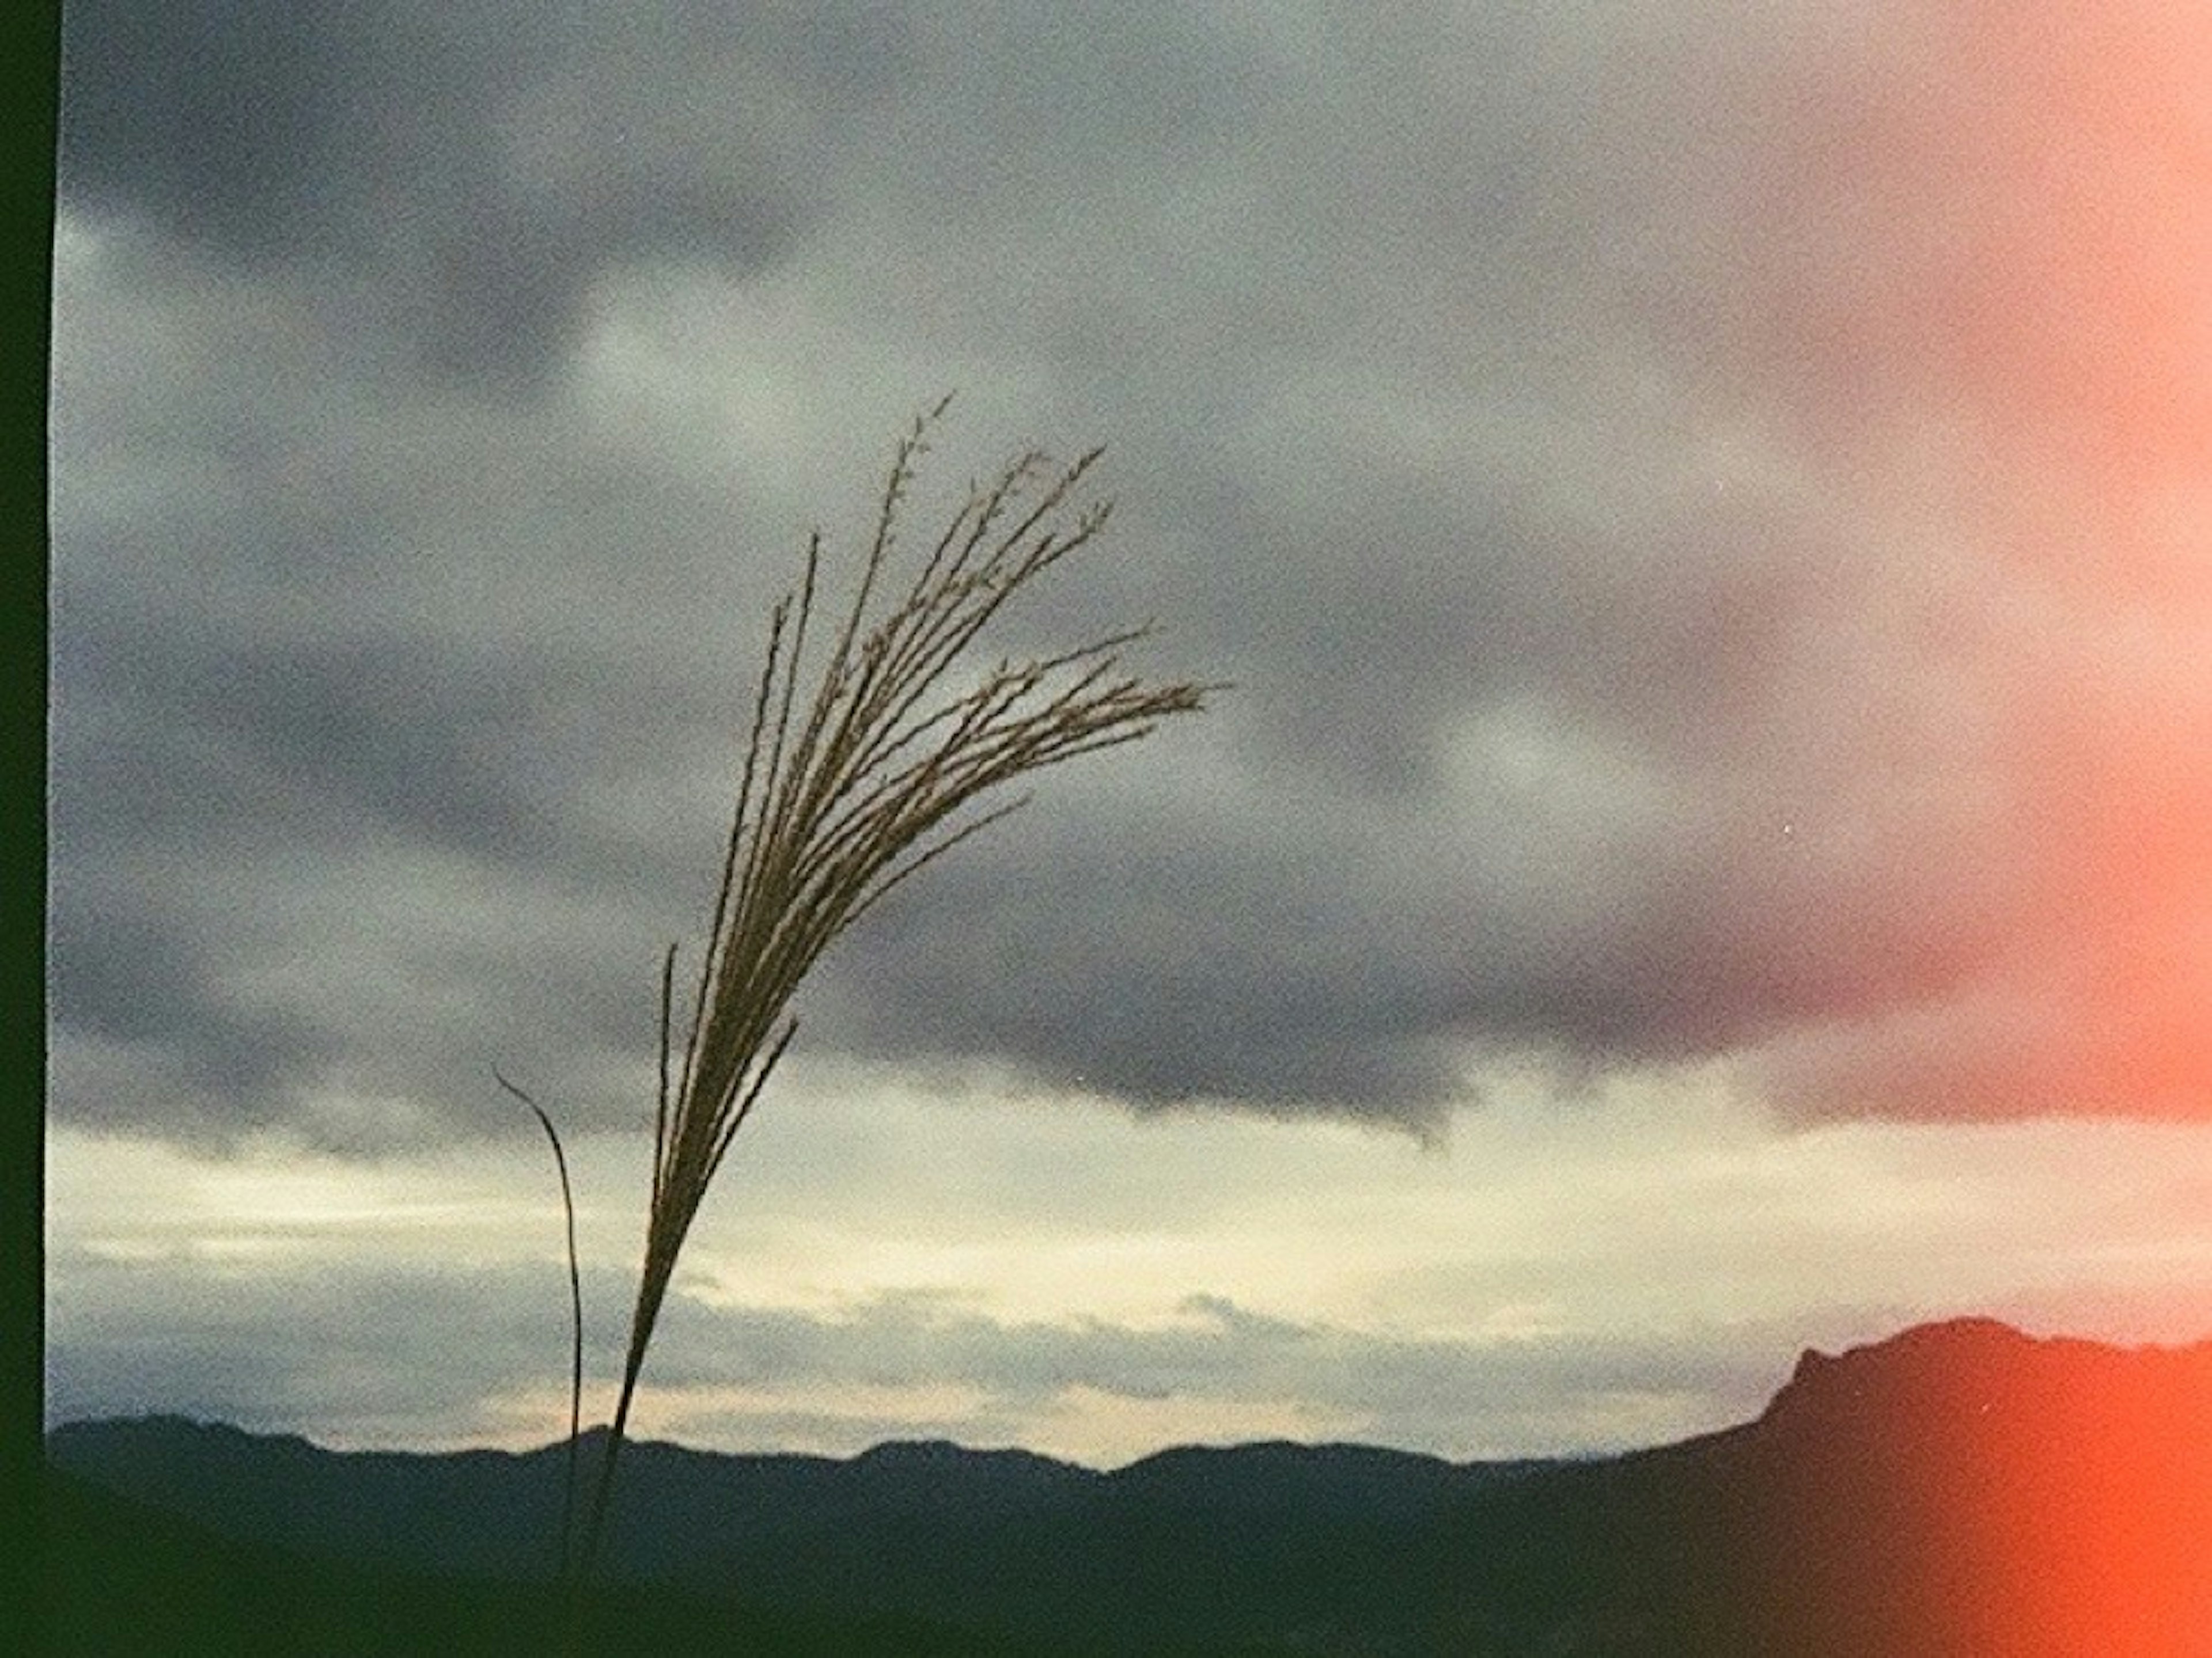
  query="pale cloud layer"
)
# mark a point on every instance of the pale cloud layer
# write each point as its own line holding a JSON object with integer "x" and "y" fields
{"x": 1641, "y": 1266}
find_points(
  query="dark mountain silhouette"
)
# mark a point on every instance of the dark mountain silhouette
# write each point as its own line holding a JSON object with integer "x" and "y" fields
{"x": 1959, "y": 1489}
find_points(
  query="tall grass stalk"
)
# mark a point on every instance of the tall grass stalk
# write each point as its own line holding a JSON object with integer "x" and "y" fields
{"x": 862, "y": 769}
{"x": 575, "y": 1330}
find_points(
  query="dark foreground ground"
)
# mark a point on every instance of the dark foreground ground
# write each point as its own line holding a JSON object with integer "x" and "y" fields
{"x": 126, "y": 1578}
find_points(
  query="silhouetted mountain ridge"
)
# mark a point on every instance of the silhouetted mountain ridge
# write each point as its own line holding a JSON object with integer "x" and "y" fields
{"x": 1940, "y": 1491}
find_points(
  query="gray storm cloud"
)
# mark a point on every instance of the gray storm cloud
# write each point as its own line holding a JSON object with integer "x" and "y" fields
{"x": 1703, "y": 510}
{"x": 457, "y": 178}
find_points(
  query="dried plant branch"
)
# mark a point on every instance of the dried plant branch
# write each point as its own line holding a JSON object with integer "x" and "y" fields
{"x": 847, "y": 793}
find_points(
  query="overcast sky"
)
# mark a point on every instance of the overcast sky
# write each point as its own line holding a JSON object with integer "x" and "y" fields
{"x": 1707, "y": 508}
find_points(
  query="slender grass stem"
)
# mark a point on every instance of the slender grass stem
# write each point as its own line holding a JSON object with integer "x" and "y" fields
{"x": 566, "y": 1574}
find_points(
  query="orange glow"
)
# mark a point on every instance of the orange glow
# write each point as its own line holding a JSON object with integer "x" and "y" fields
{"x": 2086, "y": 1527}
{"x": 2011, "y": 237}
{"x": 1997, "y": 1500}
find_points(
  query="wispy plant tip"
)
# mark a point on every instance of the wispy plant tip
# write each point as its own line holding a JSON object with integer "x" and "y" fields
{"x": 861, "y": 769}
